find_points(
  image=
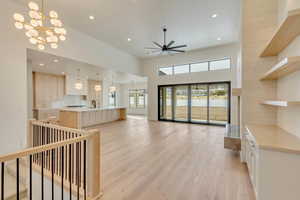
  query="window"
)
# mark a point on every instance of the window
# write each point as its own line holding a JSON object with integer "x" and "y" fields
{"x": 137, "y": 98}
{"x": 199, "y": 67}
{"x": 181, "y": 69}
{"x": 219, "y": 64}
{"x": 165, "y": 71}
{"x": 112, "y": 99}
{"x": 196, "y": 67}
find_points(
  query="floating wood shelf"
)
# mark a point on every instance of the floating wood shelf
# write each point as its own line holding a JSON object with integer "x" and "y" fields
{"x": 280, "y": 103}
{"x": 285, "y": 34}
{"x": 236, "y": 91}
{"x": 232, "y": 138}
{"x": 283, "y": 68}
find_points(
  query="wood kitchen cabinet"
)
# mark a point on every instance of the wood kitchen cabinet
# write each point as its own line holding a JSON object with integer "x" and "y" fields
{"x": 47, "y": 88}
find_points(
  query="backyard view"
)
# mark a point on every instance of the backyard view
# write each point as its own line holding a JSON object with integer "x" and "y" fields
{"x": 208, "y": 103}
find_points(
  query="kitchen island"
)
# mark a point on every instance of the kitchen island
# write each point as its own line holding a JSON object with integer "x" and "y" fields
{"x": 80, "y": 118}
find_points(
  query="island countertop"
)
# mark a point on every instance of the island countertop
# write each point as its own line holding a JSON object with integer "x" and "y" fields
{"x": 87, "y": 109}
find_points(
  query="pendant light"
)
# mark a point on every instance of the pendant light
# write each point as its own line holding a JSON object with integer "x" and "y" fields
{"x": 98, "y": 87}
{"x": 112, "y": 88}
{"x": 78, "y": 84}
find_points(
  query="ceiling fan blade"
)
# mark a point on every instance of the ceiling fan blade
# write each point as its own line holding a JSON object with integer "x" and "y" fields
{"x": 176, "y": 47}
{"x": 152, "y": 48}
{"x": 170, "y": 43}
{"x": 157, "y": 44}
{"x": 181, "y": 51}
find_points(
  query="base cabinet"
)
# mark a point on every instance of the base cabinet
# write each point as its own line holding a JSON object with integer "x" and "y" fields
{"x": 79, "y": 120}
{"x": 274, "y": 174}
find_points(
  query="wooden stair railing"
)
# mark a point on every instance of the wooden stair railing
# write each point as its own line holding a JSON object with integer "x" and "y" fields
{"x": 68, "y": 157}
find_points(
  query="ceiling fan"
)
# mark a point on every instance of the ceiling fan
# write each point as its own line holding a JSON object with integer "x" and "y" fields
{"x": 168, "y": 48}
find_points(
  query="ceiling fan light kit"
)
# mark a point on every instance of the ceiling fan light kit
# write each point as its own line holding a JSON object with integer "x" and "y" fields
{"x": 166, "y": 47}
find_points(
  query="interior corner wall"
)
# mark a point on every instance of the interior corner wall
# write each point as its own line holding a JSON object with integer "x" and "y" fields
{"x": 13, "y": 71}
{"x": 288, "y": 86}
{"x": 259, "y": 22}
{"x": 151, "y": 66}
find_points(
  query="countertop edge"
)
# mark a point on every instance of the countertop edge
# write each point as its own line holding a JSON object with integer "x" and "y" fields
{"x": 271, "y": 147}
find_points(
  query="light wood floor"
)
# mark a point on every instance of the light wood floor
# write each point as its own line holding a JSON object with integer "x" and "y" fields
{"x": 145, "y": 160}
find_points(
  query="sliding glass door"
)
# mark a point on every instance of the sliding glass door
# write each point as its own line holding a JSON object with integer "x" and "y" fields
{"x": 218, "y": 103}
{"x": 207, "y": 103}
{"x": 181, "y": 102}
{"x": 199, "y": 103}
{"x": 165, "y": 103}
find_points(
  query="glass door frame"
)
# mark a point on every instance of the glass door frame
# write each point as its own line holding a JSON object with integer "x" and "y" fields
{"x": 189, "y": 102}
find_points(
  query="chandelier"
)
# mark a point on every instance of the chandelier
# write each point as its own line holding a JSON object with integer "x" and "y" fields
{"x": 41, "y": 29}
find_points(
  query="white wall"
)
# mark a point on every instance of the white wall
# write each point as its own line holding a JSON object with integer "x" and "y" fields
{"x": 286, "y": 5}
{"x": 13, "y": 71}
{"x": 124, "y": 93}
{"x": 151, "y": 65}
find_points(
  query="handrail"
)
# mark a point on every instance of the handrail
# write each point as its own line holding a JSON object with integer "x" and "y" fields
{"x": 47, "y": 147}
{"x": 54, "y": 126}
{"x": 66, "y": 156}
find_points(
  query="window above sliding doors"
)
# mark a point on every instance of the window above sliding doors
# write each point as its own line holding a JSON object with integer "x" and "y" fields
{"x": 204, "y": 103}
{"x": 214, "y": 65}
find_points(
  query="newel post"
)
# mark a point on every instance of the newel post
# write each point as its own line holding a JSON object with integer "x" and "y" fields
{"x": 29, "y": 140}
{"x": 94, "y": 164}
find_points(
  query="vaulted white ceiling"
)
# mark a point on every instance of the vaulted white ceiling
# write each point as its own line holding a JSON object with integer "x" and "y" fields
{"x": 188, "y": 21}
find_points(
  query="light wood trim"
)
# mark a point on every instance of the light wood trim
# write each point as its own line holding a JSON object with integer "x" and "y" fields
{"x": 94, "y": 168}
{"x": 283, "y": 68}
{"x": 29, "y": 134}
{"x": 54, "y": 126}
{"x": 123, "y": 113}
{"x": 236, "y": 91}
{"x": 280, "y": 103}
{"x": 285, "y": 34}
{"x": 35, "y": 150}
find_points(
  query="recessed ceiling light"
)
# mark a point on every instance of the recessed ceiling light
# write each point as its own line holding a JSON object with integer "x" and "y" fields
{"x": 219, "y": 38}
{"x": 55, "y": 60}
{"x": 129, "y": 39}
{"x": 214, "y": 16}
{"x": 42, "y": 64}
{"x": 91, "y": 17}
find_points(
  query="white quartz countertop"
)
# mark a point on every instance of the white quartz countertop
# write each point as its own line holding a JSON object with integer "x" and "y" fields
{"x": 85, "y": 109}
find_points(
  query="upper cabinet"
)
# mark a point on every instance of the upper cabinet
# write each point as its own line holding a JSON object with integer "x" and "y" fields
{"x": 47, "y": 88}
{"x": 70, "y": 86}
